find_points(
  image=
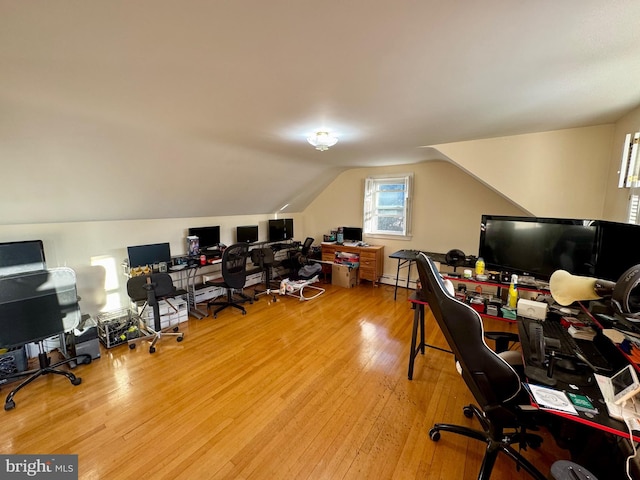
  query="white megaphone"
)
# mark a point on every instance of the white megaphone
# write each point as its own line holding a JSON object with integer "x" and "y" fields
{"x": 566, "y": 288}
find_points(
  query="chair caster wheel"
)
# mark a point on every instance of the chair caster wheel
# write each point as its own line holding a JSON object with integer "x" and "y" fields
{"x": 10, "y": 405}
{"x": 132, "y": 346}
{"x": 179, "y": 339}
{"x": 468, "y": 412}
{"x": 215, "y": 316}
{"x": 244, "y": 313}
{"x": 434, "y": 434}
{"x": 152, "y": 349}
{"x": 175, "y": 329}
{"x": 76, "y": 381}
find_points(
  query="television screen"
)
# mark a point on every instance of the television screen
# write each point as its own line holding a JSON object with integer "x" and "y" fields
{"x": 538, "y": 246}
{"x": 280, "y": 229}
{"x": 352, "y": 234}
{"x": 618, "y": 247}
{"x": 20, "y": 257}
{"x": 141, "y": 255}
{"x": 247, "y": 234}
{"x": 209, "y": 237}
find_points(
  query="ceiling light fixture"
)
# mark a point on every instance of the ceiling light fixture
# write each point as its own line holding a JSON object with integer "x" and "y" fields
{"x": 322, "y": 140}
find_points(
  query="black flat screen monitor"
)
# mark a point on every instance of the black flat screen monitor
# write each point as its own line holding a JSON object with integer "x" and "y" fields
{"x": 20, "y": 257}
{"x": 280, "y": 229}
{"x": 618, "y": 247}
{"x": 538, "y": 246}
{"x": 33, "y": 305}
{"x": 209, "y": 237}
{"x": 247, "y": 234}
{"x": 352, "y": 234}
{"x": 141, "y": 255}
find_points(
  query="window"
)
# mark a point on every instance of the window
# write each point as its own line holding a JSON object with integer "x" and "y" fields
{"x": 387, "y": 205}
{"x": 630, "y": 175}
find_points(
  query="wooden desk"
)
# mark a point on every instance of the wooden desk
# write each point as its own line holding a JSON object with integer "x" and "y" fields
{"x": 371, "y": 259}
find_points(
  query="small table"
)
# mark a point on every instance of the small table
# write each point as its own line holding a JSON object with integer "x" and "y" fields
{"x": 406, "y": 257}
{"x": 417, "y": 303}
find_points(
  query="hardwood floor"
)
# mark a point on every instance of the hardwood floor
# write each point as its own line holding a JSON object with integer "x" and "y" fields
{"x": 292, "y": 390}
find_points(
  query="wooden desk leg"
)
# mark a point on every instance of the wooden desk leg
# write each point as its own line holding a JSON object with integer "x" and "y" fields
{"x": 418, "y": 323}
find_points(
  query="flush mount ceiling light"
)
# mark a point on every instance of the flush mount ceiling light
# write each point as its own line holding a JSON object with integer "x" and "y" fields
{"x": 322, "y": 140}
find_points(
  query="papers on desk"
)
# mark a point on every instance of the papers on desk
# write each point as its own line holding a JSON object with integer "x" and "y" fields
{"x": 550, "y": 399}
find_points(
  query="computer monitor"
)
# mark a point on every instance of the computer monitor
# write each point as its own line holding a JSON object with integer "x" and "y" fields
{"x": 209, "y": 237}
{"x": 280, "y": 229}
{"x": 21, "y": 257}
{"x": 141, "y": 255}
{"x": 352, "y": 234}
{"x": 246, "y": 233}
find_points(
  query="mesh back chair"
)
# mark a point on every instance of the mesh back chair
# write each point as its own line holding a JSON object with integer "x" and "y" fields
{"x": 495, "y": 385}
{"x": 151, "y": 289}
{"x": 234, "y": 276}
{"x": 265, "y": 259}
{"x": 306, "y": 246}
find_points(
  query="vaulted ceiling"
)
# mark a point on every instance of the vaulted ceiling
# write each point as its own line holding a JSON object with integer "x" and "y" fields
{"x": 158, "y": 109}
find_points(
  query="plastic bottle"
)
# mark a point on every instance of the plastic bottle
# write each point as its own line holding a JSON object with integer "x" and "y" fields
{"x": 513, "y": 291}
{"x": 480, "y": 266}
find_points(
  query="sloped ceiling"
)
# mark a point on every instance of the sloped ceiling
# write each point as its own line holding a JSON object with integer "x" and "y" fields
{"x": 159, "y": 109}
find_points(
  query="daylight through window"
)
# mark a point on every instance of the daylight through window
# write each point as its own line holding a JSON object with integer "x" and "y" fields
{"x": 387, "y": 205}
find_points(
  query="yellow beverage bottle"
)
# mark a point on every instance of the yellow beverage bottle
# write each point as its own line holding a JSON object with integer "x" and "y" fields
{"x": 513, "y": 292}
{"x": 480, "y": 266}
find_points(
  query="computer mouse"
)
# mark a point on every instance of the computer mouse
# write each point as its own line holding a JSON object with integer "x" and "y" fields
{"x": 566, "y": 364}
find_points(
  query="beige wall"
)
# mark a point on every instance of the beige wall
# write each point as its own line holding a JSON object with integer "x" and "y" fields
{"x": 615, "y": 206}
{"x": 448, "y": 204}
{"x": 563, "y": 173}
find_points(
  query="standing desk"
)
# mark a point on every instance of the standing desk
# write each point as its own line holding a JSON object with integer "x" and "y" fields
{"x": 406, "y": 258}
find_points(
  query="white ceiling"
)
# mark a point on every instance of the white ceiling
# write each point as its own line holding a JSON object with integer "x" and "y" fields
{"x": 116, "y": 109}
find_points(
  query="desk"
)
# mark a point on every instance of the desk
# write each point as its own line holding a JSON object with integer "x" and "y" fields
{"x": 371, "y": 259}
{"x": 406, "y": 258}
{"x": 586, "y": 386}
{"x": 417, "y": 304}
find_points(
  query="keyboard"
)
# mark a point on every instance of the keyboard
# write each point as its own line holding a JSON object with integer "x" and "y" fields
{"x": 584, "y": 350}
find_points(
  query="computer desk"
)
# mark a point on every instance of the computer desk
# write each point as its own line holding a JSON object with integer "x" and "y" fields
{"x": 585, "y": 386}
{"x": 406, "y": 258}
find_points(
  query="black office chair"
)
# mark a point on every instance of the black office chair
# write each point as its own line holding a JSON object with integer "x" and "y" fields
{"x": 495, "y": 385}
{"x": 151, "y": 289}
{"x": 265, "y": 259}
{"x": 306, "y": 246}
{"x": 234, "y": 276}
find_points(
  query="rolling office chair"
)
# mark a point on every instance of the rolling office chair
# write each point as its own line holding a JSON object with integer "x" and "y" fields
{"x": 234, "y": 276}
{"x": 151, "y": 289}
{"x": 306, "y": 246}
{"x": 495, "y": 385}
{"x": 265, "y": 258}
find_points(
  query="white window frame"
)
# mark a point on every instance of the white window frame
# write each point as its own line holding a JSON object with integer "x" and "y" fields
{"x": 371, "y": 211}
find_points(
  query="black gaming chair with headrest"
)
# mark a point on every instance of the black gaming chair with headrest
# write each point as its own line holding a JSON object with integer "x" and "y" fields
{"x": 494, "y": 383}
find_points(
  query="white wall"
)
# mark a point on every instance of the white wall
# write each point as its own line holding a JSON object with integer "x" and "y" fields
{"x": 76, "y": 244}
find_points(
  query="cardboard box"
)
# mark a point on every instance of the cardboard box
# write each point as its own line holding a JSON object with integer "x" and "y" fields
{"x": 344, "y": 276}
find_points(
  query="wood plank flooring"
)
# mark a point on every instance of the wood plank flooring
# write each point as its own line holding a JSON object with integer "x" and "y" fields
{"x": 292, "y": 390}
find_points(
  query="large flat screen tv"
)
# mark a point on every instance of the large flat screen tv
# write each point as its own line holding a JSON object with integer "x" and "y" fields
{"x": 280, "y": 229}
{"x": 141, "y": 255}
{"x": 247, "y": 233}
{"x": 209, "y": 237}
{"x": 538, "y": 246}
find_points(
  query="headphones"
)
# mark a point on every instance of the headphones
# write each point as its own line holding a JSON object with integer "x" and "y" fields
{"x": 626, "y": 294}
